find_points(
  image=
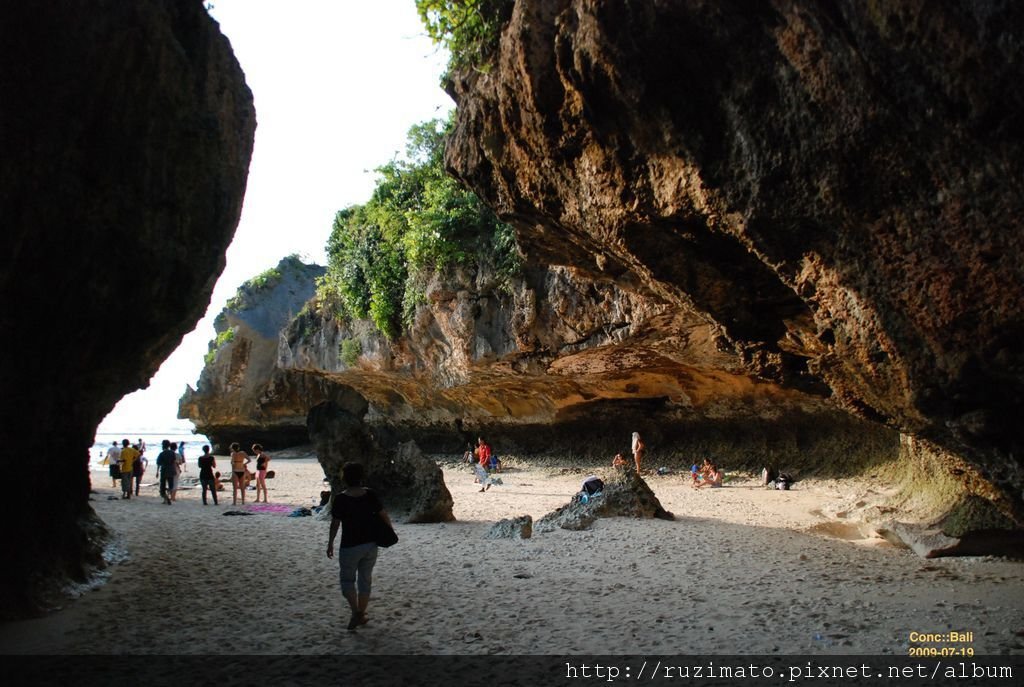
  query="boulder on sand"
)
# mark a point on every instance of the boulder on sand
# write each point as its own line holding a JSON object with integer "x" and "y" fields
{"x": 626, "y": 494}
{"x": 512, "y": 528}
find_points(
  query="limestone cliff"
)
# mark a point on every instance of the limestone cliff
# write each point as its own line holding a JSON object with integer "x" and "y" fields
{"x": 833, "y": 186}
{"x": 126, "y": 130}
{"x": 231, "y": 401}
{"x": 557, "y": 364}
{"x": 736, "y": 222}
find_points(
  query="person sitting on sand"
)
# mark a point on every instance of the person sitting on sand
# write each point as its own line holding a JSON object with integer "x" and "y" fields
{"x": 713, "y": 477}
{"x": 699, "y": 474}
{"x": 618, "y": 461}
{"x": 239, "y": 462}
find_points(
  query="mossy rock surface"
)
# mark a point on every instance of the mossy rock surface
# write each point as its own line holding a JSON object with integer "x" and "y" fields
{"x": 974, "y": 513}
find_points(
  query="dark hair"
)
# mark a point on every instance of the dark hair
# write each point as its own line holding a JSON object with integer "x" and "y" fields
{"x": 165, "y": 443}
{"x": 353, "y": 474}
{"x": 257, "y": 447}
{"x": 234, "y": 446}
{"x": 206, "y": 449}
{"x": 174, "y": 445}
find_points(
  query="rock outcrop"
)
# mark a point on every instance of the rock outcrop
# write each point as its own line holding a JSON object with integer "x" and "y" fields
{"x": 567, "y": 365}
{"x": 126, "y": 131}
{"x": 511, "y": 528}
{"x": 625, "y": 494}
{"x": 833, "y": 187}
{"x": 407, "y": 481}
{"x": 240, "y": 390}
{"x": 788, "y": 235}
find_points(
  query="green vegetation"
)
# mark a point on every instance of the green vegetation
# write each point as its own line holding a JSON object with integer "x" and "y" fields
{"x": 215, "y": 345}
{"x": 468, "y": 29}
{"x": 350, "y": 350}
{"x": 419, "y": 221}
{"x": 264, "y": 280}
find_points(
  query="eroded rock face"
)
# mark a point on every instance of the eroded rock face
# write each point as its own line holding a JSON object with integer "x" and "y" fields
{"x": 126, "y": 131}
{"x": 833, "y": 186}
{"x": 569, "y": 365}
{"x": 238, "y": 397}
{"x": 406, "y": 480}
{"x": 520, "y": 527}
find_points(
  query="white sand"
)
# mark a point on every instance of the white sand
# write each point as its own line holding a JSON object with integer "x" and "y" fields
{"x": 741, "y": 570}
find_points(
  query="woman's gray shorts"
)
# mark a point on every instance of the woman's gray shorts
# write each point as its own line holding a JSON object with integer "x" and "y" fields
{"x": 357, "y": 559}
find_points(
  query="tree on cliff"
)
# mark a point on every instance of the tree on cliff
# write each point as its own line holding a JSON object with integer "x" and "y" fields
{"x": 469, "y": 29}
{"x": 419, "y": 221}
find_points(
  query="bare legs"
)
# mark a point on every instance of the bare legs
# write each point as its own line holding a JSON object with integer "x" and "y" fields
{"x": 261, "y": 482}
{"x": 237, "y": 486}
{"x": 358, "y": 604}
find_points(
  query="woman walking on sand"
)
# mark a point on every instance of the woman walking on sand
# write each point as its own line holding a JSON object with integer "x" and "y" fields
{"x": 638, "y": 448}
{"x": 355, "y": 511}
{"x": 262, "y": 461}
{"x": 239, "y": 464}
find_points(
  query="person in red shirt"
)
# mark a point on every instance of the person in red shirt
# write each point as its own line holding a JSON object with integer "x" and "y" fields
{"x": 483, "y": 453}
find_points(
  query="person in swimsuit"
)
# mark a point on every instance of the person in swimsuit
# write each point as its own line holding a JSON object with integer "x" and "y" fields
{"x": 638, "y": 449}
{"x": 262, "y": 461}
{"x": 239, "y": 464}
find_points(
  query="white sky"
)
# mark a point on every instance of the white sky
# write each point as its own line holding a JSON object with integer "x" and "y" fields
{"x": 337, "y": 84}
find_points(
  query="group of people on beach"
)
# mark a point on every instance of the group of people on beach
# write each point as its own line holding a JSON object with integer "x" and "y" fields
{"x": 637, "y": 447}
{"x": 707, "y": 475}
{"x": 128, "y": 462}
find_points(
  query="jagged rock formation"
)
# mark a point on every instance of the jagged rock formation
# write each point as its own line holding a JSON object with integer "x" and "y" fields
{"x": 625, "y": 494}
{"x": 832, "y": 186}
{"x": 238, "y": 397}
{"x": 735, "y": 221}
{"x": 568, "y": 365}
{"x": 511, "y": 528}
{"x": 126, "y": 131}
{"x": 406, "y": 480}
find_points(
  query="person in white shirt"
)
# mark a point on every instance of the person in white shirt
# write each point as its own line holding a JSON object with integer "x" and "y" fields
{"x": 113, "y": 459}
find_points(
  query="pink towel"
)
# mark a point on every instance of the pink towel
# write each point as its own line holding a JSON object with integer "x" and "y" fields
{"x": 270, "y": 508}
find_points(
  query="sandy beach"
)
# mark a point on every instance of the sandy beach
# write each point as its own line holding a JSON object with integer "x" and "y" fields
{"x": 742, "y": 570}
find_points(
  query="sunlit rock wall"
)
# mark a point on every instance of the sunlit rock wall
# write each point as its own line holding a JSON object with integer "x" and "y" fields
{"x": 239, "y": 394}
{"x": 833, "y": 186}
